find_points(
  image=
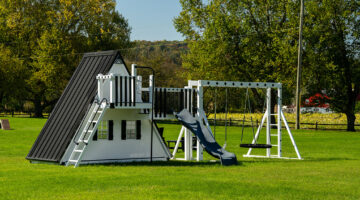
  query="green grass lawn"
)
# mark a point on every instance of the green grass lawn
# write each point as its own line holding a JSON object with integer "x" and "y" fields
{"x": 330, "y": 170}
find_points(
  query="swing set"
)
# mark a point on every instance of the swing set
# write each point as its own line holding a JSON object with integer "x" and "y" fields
{"x": 247, "y": 109}
{"x": 273, "y": 140}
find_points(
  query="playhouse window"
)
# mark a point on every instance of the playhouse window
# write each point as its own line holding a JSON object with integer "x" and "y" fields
{"x": 130, "y": 129}
{"x": 103, "y": 130}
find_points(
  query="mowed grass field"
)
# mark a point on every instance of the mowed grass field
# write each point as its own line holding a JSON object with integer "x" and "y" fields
{"x": 330, "y": 170}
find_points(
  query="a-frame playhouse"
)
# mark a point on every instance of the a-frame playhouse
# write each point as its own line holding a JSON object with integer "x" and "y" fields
{"x": 83, "y": 128}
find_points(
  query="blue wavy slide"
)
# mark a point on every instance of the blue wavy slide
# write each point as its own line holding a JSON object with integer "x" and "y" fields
{"x": 205, "y": 137}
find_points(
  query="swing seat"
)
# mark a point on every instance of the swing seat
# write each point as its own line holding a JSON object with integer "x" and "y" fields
{"x": 259, "y": 146}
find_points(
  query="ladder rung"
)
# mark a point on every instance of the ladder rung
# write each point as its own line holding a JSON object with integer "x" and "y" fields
{"x": 78, "y": 150}
{"x": 274, "y": 145}
{"x": 99, "y": 111}
{"x": 74, "y": 161}
{"x": 274, "y": 135}
{"x": 273, "y": 124}
{"x": 93, "y": 121}
{"x": 84, "y": 141}
{"x": 80, "y": 141}
{"x": 273, "y": 114}
{"x": 89, "y": 131}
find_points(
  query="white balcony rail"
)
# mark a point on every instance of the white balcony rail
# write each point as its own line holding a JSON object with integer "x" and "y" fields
{"x": 121, "y": 91}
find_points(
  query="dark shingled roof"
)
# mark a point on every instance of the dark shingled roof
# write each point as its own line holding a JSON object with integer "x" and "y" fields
{"x": 68, "y": 112}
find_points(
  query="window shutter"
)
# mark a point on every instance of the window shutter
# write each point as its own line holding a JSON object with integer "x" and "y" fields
{"x": 123, "y": 129}
{"x": 95, "y": 134}
{"x": 138, "y": 129}
{"x": 111, "y": 129}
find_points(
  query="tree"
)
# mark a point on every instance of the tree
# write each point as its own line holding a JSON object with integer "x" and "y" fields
{"x": 51, "y": 35}
{"x": 11, "y": 76}
{"x": 240, "y": 40}
{"x": 163, "y": 57}
{"x": 332, "y": 56}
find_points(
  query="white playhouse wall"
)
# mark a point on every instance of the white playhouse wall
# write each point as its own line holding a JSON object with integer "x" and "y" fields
{"x": 118, "y": 150}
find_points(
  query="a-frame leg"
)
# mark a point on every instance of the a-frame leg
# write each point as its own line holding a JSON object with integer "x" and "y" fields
{"x": 291, "y": 136}
{"x": 178, "y": 142}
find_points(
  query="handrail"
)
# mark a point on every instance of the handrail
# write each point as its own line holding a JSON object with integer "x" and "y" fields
{"x": 96, "y": 102}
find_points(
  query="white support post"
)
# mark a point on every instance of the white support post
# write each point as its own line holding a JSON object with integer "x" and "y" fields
{"x": 99, "y": 89}
{"x": 188, "y": 134}
{"x": 133, "y": 70}
{"x": 199, "y": 96}
{"x": 112, "y": 89}
{"x": 279, "y": 108}
{"x": 134, "y": 74}
{"x": 178, "y": 141}
{"x": 268, "y": 121}
{"x": 291, "y": 136}
{"x": 151, "y": 86}
{"x": 187, "y": 144}
{"x": 257, "y": 132}
{"x": 199, "y": 151}
{"x": 138, "y": 88}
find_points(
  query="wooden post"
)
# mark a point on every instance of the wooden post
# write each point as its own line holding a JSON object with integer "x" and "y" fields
{"x": 316, "y": 126}
{"x": 298, "y": 75}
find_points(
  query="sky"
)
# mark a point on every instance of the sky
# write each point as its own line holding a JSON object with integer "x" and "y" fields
{"x": 151, "y": 20}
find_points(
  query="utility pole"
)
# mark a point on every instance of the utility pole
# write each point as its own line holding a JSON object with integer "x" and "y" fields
{"x": 298, "y": 74}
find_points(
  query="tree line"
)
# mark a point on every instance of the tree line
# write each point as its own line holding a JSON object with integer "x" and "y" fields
{"x": 250, "y": 40}
{"x": 42, "y": 42}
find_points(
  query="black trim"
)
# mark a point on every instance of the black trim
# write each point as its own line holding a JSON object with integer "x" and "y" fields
{"x": 189, "y": 100}
{"x": 194, "y": 104}
{"x": 121, "y": 90}
{"x": 123, "y": 129}
{"x": 138, "y": 129}
{"x": 95, "y": 136}
{"x": 186, "y": 98}
{"x": 116, "y": 90}
{"x": 125, "y": 83}
{"x": 111, "y": 130}
{"x": 129, "y": 100}
{"x": 179, "y": 104}
{"x": 156, "y": 101}
{"x": 181, "y": 99}
{"x": 164, "y": 104}
{"x": 134, "y": 91}
{"x": 161, "y": 102}
{"x": 259, "y": 146}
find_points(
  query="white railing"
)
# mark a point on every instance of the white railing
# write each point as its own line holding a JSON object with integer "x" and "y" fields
{"x": 121, "y": 91}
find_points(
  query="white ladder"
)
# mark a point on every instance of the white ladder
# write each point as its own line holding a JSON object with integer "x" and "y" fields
{"x": 86, "y": 133}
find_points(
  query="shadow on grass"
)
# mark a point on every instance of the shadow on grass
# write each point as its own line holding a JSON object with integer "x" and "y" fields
{"x": 307, "y": 159}
{"x": 310, "y": 159}
{"x": 171, "y": 163}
